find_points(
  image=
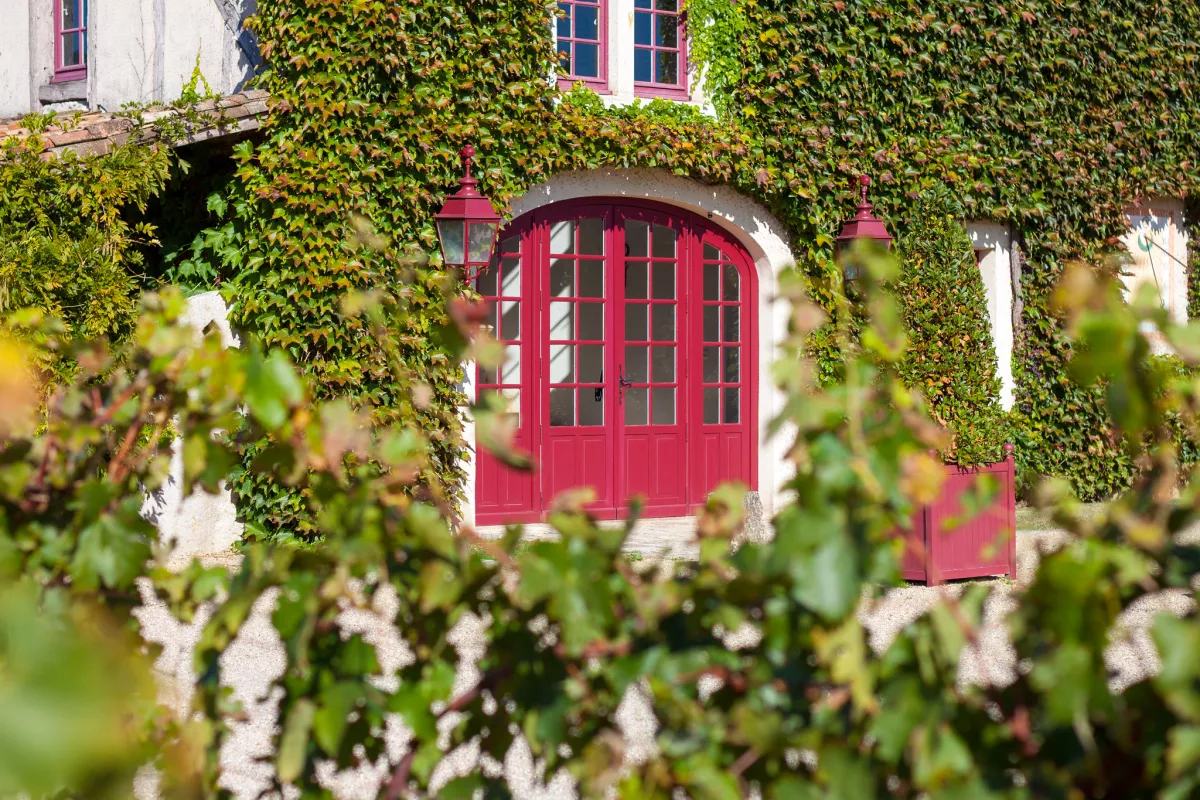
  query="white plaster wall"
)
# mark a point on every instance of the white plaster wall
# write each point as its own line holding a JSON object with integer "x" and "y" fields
{"x": 14, "y": 58}
{"x": 145, "y": 50}
{"x": 768, "y": 245}
{"x": 41, "y": 51}
{"x": 197, "y": 28}
{"x": 1157, "y": 242}
{"x": 122, "y": 62}
{"x": 201, "y": 523}
{"x": 996, "y": 269}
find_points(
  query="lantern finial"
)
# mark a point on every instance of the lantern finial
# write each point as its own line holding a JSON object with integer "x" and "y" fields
{"x": 467, "y": 154}
{"x": 864, "y": 224}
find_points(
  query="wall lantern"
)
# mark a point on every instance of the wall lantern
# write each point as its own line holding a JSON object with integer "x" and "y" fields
{"x": 467, "y": 225}
{"x": 863, "y": 225}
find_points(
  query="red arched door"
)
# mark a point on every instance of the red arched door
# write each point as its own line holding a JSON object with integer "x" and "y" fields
{"x": 629, "y": 338}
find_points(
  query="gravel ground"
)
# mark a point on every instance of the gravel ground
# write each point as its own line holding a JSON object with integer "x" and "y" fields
{"x": 256, "y": 659}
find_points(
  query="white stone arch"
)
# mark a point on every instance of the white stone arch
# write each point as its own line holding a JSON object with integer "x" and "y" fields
{"x": 756, "y": 229}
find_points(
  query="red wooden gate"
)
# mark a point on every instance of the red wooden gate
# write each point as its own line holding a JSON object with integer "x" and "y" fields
{"x": 630, "y": 342}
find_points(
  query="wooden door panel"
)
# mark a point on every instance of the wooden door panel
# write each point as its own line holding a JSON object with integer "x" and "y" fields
{"x": 503, "y": 494}
{"x": 723, "y": 352}
{"x": 575, "y": 371}
{"x": 651, "y": 323}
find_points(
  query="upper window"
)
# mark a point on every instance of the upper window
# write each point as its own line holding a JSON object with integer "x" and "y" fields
{"x": 70, "y": 40}
{"x": 659, "y": 54}
{"x": 582, "y": 49}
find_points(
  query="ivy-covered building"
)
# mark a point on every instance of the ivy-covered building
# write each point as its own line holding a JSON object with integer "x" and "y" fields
{"x": 661, "y": 165}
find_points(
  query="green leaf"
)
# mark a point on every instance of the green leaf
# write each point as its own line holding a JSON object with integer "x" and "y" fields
{"x": 293, "y": 744}
{"x": 110, "y": 553}
{"x": 330, "y": 719}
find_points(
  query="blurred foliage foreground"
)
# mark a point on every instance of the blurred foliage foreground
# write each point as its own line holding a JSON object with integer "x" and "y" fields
{"x": 804, "y": 710}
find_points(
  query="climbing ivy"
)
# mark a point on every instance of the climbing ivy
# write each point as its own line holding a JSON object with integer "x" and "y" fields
{"x": 950, "y": 359}
{"x": 67, "y": 245}
{"x": 1046, "y": 114}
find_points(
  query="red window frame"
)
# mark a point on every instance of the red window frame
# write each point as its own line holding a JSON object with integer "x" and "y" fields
{"x": 70, "y": 72}
{"x": 650, "y": 9}
{"x": 599, "y": 81}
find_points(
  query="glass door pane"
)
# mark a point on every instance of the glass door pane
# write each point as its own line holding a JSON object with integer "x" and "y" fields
{"x": 576, "y": 323}
{"x": 651, "y": 312}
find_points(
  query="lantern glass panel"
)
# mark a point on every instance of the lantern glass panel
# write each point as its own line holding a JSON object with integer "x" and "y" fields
{"x": 452, "y": 234}
{"x": 479, "y": 241}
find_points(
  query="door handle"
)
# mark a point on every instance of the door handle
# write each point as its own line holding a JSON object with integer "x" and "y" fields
{"x": 621, "y": 379}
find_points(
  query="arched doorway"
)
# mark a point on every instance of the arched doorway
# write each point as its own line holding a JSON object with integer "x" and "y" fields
{"x": 630, "y": 339}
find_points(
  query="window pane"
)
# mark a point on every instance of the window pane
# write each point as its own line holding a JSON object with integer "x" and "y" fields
{"x": 664, "y": 281}
{"x": 510, "y": 371}
{"x": 591, "y": 321}
{"x": 587, "y": 22}
{"x": 562, "y": 320}
{"x": 591, "y": 237}
{"x": 711, "y": 253}
{"x": 562, "y": 407}
{"x": 663, "y": 370}
{"x": 564, "y": 57}
{"x": 562, "y": 363}
{"x": 731, "y": 373}
{"x": 636, "y": 235}
{"x": 732, "y": 328}
{"x": 564, "y": 22}
{"x": 664, "y": 241}
{"x": 591, "y": 278}
{"x": 591, "y": 406}
{"x": 664, "y": 323}
{"x": 732, "y": 408}
{"x": 712, "y": 281}
{"x": 510, "y": 277}
{"x": 70, "y": 14}
{"x": 667, "y": 5}
{"x": 712, "y": 406}
{"x": 510, "y": 324}
{"x": 485, "y": 284}
{"x": 562, "y": 277}
{"x": 712, "y": 364}
{"x": 636, "y": 329}
{"x": 667, "y": 33}
{"x": 635, "y": 364}
{"x": 511, "y": 245}
{"x": 731, "y": 282}
{"x": 643, "y": 65}
{"x": 642, "y": 24}
{"x": 562, "y": 238}
{"x": 636, "y": 406}
{"x": 451, "y": 232}
{"x": 479, "y": 241}
{"x": 591, "y": 363}
{"x": 668, "y": 67}
{"x": 491, "y": 318}
{"x": 712, "y": 323}
{"x": 636, "y": 274}
{"x": 487, "y": 375}
{"x": 512, "y": 402}
{"x": 663, "y": 405}
{"x": 587, "y": 60}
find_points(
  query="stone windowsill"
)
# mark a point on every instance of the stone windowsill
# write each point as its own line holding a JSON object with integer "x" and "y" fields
{"x": 63, "y": 92}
